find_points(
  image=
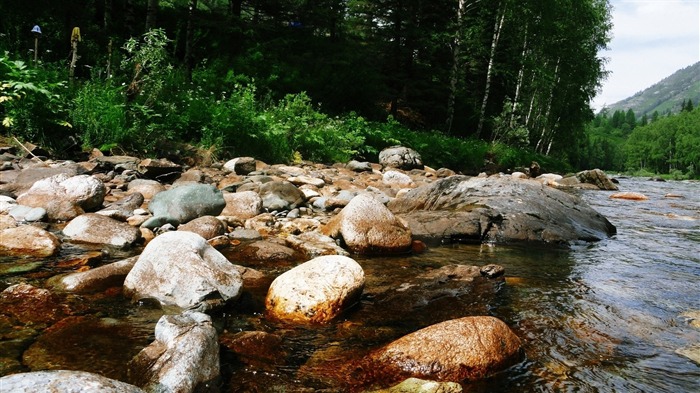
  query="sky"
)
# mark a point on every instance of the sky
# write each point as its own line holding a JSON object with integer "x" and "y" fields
{"x": 651, "y": 39}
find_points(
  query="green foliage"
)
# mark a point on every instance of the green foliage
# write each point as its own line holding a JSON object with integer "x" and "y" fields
{"x": 32, "y": 102}
{"x": 98, "y": 111}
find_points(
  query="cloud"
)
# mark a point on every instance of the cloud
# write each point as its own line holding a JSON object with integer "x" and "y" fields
{"x": 651, "y": 40}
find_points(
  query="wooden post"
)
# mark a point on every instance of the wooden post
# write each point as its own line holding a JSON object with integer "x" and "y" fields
{"x": 74, "y": 39}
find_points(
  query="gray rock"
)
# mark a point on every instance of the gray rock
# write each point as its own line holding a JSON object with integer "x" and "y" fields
{"x": 241, "y": 165}
{"x": 357, "y": 166}
{"x": 187, "y": 202}
{"x": 182, "y": 269}
{"x": 400, "y": 157}
{"x": 98, "y": 229}
{"x": 184, "y": 358}
{"x": 597, "y": 178}
{"x": 498, "y": 210}
{"x": 26, "y": 213}
{"x": 63, "y": 381}
{"x": 245, "y": 234}
{"x": 316, "y": 291}
{"x": 280, "y": 195}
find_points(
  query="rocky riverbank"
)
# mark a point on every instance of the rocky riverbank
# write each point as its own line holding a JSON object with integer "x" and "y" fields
{"x": 200, "y": 240}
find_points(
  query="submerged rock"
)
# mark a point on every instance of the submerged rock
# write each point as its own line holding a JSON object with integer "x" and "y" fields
{"x": 498, "y": 210}
{"x": 416, "y": 385}
{"x": 461, "y": 349}
{"x": 64, "y": 381}
{"x": 316, "y": 291}
{"x": 630, "y": 196}
{"x": 182, "y": 269}
{"x": 184, "y": 358}
{"x": 97, "y": 279}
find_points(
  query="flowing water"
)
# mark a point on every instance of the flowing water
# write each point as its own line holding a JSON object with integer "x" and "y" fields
{"x": 599, "y": 317}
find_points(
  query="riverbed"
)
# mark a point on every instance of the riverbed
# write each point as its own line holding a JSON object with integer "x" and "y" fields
{"x": 598, "y": 317}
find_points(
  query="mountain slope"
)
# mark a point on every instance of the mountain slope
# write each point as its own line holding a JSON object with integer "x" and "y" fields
{"x": 665, "y": 96}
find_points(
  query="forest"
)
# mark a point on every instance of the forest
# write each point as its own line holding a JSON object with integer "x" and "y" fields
{"x": 464, "y": 82}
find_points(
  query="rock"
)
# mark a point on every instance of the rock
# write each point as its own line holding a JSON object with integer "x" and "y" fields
{"x": 182, "y": 269}
{"x": 630, "y": 196}
{"x": 598, "y": 178}
{"x": 397, "y": 179}
{"x": 124, "y": 208}
{"x": 27, "y": 214}
{"x": 31, "y": 305}
{"x": 265, "y": 251}
{"x": 400, "y": 157}
{"x": 28, "y": 176}
{"x": 63, "y": 381}
{"x": 7, "y": 221}
{"x": 492, "y": 270}
{"x": 257, "y": 347}
{"x": 314, "y": 244}
{"x": 498, "y": 209}
{"x": 341, "y": 199}
{"x": 691, "y": 352}
{"x": 146, "y": 187}
{"x": 55, "y": 348}
{"x": 456, "y": 350}
{"x": 416, "y": 385}
{"x": 368, "y": 227}
{"x": 161, "y": 169}
{"x": 306, "y": 180}
{"x": 316, "y": 291}
{"x": 185, "y": 203}
{"x": 117, "y": 162}
{"x": 98, "y": 229}
{"x": 280, "y": 195}
{"x": 534, "y": 170}
{"x": 241, "y": 165}
{"x": 183, "y": 358}
{"x": 357, "y": 166}
{"x": 6, "y": 203}
{"x": 63, "y": 197}
{"x": 97, "y": 279}
{"x": 245, "y": 234}
{"x": 444, "y": 172}
{"x": 27, "y": 240}
{"x": 242, "y": 205}
{"x": 207, "y": 227}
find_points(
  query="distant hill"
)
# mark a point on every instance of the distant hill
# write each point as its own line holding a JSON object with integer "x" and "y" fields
{"x": 665, "y": 96}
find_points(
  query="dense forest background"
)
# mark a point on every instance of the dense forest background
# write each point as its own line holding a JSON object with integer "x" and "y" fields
{"x": 467, "y": 83}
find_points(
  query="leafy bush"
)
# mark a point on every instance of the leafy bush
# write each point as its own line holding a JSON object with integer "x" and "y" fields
{"x": 99, "y": 112}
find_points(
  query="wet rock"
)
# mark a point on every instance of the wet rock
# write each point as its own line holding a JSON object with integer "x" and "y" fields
{"x": 182, "y": 269}
{"x": 185, "y": 203}
{"x": 314, "y": 244}
{"x": 630, "y": 196}
{"x": 27, "y": 240}
{"x": 98, "y": 229}
{"x": 598, "y": 178}
{"x": 368, "y": 227}
{"x": 124, "y": 208}
{"x": 492, "y": 271}
{"x": 280, "y": 195}
{"x": 146, "y": 187}
{"x": 416, "y": 385}
{"x": 241, "y": 165}
{"x": 55, "y": 348}
{"x": 64, "y": 381}
{"x": 461, "y": 349}
{"x": 258, "y": 348}
{"x": 498, "y": 209}
{"x": 242, "y": 205}
{"x": 31, "y": 305}
{"x": 97, "y": 279}
{"x": 266, "y": 251}
{"x": 184, "y": 358}
{"x": 316, "y": 291}
{"x": 400, "y": 157}
{"x": 207, "y": 227}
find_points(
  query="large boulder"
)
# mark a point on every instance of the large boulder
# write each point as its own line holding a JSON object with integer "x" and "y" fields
{"x": 280, "y": 195}
{"x": 27, "y": 240}
{"x": 400, "y": 157}
{"x": 185, "y": 203}
{"x": 368, "y": 227}
{"x": 98, "y": 229}
{"x": 498, "y": 209}
{"x": 240, "y": 165}
{"x": 184, "y": 358}
{"x": 65, "y": 197}
{"x": 456, "y": 350}
{"x": 597, "y": 178}
{"x": 182, "y": 269}
{"x": 61, "y": 381}
{"x": 316, "y": 291}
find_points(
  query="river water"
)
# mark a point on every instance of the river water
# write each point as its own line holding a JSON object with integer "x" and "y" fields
{"x": 598, "y": 317}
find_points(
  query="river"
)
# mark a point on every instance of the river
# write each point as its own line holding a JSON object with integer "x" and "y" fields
{"x": 598, "y": 317}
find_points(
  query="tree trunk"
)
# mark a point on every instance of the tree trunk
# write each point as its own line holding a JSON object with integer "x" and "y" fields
{"x": 489, "y": 72}
{"x": 107, "y": 18}
{"x": 519, "y": 84}
{"x": 189, "y": 40}
{"x": 541, "y": 142}
{"x": 152, "y": 14}
{"x": 454, "y": 76}
{"x": 130, "y": 17}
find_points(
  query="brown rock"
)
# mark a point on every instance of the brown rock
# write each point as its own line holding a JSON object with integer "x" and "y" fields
{"x": 32, "y": 306}
{"x": 207, "y": 227}
{"x": 28, "y": 240}
{"x": 630, "y": 196}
